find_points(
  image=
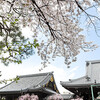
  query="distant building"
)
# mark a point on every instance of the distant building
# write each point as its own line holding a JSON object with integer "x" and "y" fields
{"x": 42, "y": 84}
{"x": 82, "y": 85}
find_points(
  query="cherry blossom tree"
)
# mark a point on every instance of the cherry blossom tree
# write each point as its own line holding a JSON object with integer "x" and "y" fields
{"x": 28, "y": 97}
{"x": 55, "y": 27}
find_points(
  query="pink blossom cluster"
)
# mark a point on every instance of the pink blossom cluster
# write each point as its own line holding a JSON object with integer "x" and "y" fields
{"x": 55, "y": 97}
{"x": 28, "y": 97}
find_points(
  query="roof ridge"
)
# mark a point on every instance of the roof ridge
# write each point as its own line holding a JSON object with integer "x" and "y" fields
{"x": 71, "y": 80}
{"x": 42, "y": 79}
{"x": 36, "y": 74}
{"x": 7, "y": 84}
{"x": 93, "y": 61}
{"x": 78, "y": 78}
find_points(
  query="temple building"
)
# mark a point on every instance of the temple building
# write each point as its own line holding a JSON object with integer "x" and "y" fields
{"x": 87, "y": 86}
{"x": 42, "y": 84}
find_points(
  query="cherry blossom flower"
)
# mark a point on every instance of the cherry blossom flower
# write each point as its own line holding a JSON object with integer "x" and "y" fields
{"x": 28, "y": 97}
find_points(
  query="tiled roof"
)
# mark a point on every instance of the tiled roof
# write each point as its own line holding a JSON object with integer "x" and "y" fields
{"x": 92, "y": 76}
{"x": 79, "y": 82}
{"x": 27, "y": 83}
{"x": 94, "y": 61}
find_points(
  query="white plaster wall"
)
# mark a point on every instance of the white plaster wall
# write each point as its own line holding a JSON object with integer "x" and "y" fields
{"x": 95, "y": 72}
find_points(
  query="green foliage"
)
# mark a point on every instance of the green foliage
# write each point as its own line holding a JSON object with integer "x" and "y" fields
{"x": 35, "y": 43}
{"x": 3, "y": 98}
{"x": 14, "y": 47}
{"x": 16, "y": 79}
